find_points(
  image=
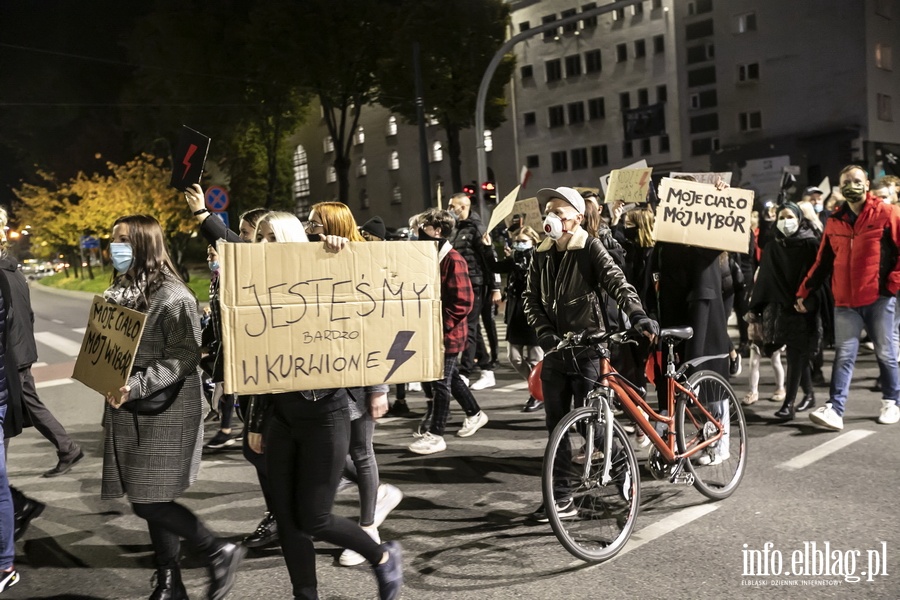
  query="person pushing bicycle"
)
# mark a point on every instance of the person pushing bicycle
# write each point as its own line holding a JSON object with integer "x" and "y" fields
{"x": 569, "y": 272}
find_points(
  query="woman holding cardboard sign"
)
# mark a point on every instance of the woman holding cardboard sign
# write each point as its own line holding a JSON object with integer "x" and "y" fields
{"x": 153, "y": 428}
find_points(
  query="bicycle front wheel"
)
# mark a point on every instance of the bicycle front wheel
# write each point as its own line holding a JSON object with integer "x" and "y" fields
{"x": 718, "y": 468}
{"x": 592, "y": 521}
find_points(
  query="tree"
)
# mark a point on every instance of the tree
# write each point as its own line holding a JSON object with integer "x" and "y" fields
{"x": 452, "y": 66}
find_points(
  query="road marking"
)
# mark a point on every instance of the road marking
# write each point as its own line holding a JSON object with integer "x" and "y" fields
{"x": 80, "y": 330}
{"x": 660, "y": 528}
{"x": 53, "y": 383}
{"x": 513, "y": 387}
{"x": 38, "y": 365}
{"x": 829, "y": 447}
{"x": 59, "y": 343}
{"x": 58, "y": 321}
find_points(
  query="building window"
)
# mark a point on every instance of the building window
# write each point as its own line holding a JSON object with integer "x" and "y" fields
{"x": 698, "y": 30}
{"x": 655, "y": 4}
{"x": 701, "y": 147}
{"x": 625, "y": 100}
{"x": 637, "y": 9}
{"x": 361, "y": 170}
{"x": 645, "y": 147}
{"x": 599, "y": 156}
{"x": 553, "y": 69}
{"x": 437, "y": 152}
{"x": 707, "y": 99}
{"x": 659, "y": 44}
{"x": 526, "y": 71}
{"x": 663, "y": 144}
{"x": 662, "y": 93}
{"x": 573, "y": 65}
{"x": 883, "y": 58}
{"x": 627, "y": 149}
{"x": 330, "y": 175}
{"x": 701, "y": 76}
{"x": 750, "y": 121}
{"x": 532, "y": 161}
{"x": 573, "y": 26}
{"x": 360, "y": 137}
{"x": 592, "y": 61}
{"x": 301, "y": 174}
{"x": 559, "y": 161}
{"x": 643, "y": 97}
{"x": 396, "y": 195}
{"x": 704, "y": 123}
{"x": 488, "y": 140}
{"x": 576, "y": 112}
{"x": 640, "y": 48}
{"x": 394, "y": 162}
{"x": 619, "y": 15}
{"x": 579, "y": 159}
{"x": 885, "y": 112}
{"x": 748, "y": 72}
{"x": 328, "y": 144}
{"x": 557, "y": 116}
{"x": 703, "y": 6}
{"x": 529, "y": 118}
{"x": 524, "y": 26}
{"x": 621, "y": 52}
{"x": 590, "y": 22}
{"x": 391, "y": 126}
{"x": 550, "y": 33}
{"x": 745, "y": 22}
{"x": 701, "y": 53}
{"x": 596, "y": 109}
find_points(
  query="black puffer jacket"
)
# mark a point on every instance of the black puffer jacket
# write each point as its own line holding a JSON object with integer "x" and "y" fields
{"x": 466, "y": 239}
{"x": 21, "y": 336}
{"x": 564, "y": 299}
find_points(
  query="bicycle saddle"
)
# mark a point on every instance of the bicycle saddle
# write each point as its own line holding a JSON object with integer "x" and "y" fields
{"x": 677, "y": 333}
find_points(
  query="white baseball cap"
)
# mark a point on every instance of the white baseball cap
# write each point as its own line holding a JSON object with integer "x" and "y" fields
{"x": 571, "y": 196}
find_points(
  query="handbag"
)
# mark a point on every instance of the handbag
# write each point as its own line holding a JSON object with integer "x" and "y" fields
{"x": 156, "y": 402}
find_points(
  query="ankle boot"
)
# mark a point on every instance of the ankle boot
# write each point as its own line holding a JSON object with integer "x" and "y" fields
{"x": 786, "y": 412}
{"x": 224, "y": 561}
{"x": 809, "y": 400}
{"x": 168, "y": 585}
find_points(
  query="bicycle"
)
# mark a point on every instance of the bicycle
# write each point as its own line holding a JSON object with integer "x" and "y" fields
{"x": 590, "y": 468}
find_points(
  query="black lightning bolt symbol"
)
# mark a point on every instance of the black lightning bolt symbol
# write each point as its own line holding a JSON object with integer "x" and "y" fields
{"x": 398, "y": 352}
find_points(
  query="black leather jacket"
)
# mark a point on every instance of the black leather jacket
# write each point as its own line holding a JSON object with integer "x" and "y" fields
{"x": 566, "y": 299}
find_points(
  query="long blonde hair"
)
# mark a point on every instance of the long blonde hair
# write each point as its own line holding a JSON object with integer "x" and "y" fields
{"x": 643, "y": 219}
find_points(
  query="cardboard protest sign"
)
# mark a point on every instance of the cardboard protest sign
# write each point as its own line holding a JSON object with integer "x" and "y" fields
{"x": 189, "y": 158}
{"x": 110, "y": 343}
{"x": 604, "y": 180}
{"x": 629, "y": 185}
{"x": 697, "y": 214}
{"x": 706, "y": 177}
{"x": 531, "y": 213}
{"x": 296, "y": 317}
{"x": 504, "y": 209}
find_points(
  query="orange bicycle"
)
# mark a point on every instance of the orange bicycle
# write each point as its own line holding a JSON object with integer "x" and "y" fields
{"x": 590, "y": 470}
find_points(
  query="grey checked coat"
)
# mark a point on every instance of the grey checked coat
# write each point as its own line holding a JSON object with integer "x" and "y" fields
{"x": 165, "y": 462}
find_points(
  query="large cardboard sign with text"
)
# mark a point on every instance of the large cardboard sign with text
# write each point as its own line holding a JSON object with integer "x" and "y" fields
{"x": 531, "y": 213}
{"x": 629, "y": 185}
{"x": 696, "y": 214}
{"x": 297, "y": 317}
{"x": 110, "y": 343}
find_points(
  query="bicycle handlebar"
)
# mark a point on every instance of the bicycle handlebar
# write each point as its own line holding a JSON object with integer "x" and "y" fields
{"x": 590, "y": 338}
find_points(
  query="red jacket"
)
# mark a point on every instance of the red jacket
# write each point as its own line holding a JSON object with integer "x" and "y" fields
{"x": 457, "y": 298}
{"x": 862, "y": 257}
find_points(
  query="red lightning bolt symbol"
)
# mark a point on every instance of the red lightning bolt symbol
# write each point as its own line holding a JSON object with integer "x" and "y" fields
{"x": 187, "y": 159}
{"x": 644, "y": 179}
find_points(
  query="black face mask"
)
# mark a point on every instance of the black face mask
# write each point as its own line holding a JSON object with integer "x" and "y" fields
{"x": 427, "y": 238}
{"x": 314, "y": 237}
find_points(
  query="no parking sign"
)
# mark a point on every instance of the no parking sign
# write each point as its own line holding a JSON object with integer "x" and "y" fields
{"x": 216, "y": 198}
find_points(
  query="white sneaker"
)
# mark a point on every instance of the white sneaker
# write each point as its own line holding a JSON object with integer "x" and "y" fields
{"x": 465, "y": 379}
{"x": 485, "y": 381}
{"x": 890, "y": 412}
{"x": 710, "y": 461}
{"x": 827, "y": 417}
{"x": 349, "y": 558}
{"x": 415, "y": 386}
{"x": 472, "y": 424}
{"x": 389, "y": 496}
{"x": 428, "y": 444}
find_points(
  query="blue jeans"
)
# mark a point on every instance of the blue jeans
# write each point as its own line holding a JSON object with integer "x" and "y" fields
{"x": 7, "y": 512}
{"x": 878, "y": 320}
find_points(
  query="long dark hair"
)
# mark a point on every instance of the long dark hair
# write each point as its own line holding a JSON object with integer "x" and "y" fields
{"x": 152, "y": 264}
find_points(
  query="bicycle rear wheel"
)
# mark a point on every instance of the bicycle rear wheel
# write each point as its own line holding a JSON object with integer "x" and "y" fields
{"x": 718, "y": 468}
{"x": 604, "y": 515}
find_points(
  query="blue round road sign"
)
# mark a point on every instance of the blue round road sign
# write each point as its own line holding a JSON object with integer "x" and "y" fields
{"x": 216, "y": 198}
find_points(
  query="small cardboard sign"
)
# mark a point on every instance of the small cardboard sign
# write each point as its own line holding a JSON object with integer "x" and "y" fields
{"x": 297, "y": 317}
{"x": 504, "y": 209}
{"x": 629, "y": 185}
{"x": 825, "y": 186}
{"x": 530, "y": 212}
{"x": 110, "y": 343}
{"x": 604, "y": 180}
{"x": 697, "y": 214}
{"x": 189, "y": 158}
{"x": 706, "y": 177}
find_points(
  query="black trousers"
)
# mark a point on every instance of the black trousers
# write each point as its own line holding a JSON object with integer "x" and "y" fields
{"x": 467, "y": 358}
{"x": 168, "y": 522}
{"x": 488, "y": 317}
{"x": 257, "y": 460}
{"x": 305, "y": 451}
{"x": 799, "y": 373}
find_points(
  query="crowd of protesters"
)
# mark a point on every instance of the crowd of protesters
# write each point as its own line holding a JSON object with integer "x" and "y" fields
{"x": 815, "y": 273}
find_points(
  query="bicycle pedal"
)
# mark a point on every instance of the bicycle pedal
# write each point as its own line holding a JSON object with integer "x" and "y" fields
{"x": 683, "y": 477}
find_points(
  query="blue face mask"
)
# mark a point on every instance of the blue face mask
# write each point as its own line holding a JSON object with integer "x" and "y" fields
{"x": 213, "y": 265}
{"x": 521, "y": 246}
{"x": 122, "y": 256}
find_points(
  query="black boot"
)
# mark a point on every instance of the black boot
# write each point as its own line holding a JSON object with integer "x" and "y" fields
{"x": 786, "y": 412}
{"x": 809, "y": 400}
{"x": 169, "y": 585}
{"x": 223, "y": 565}
{"x": 266, "y": 533}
